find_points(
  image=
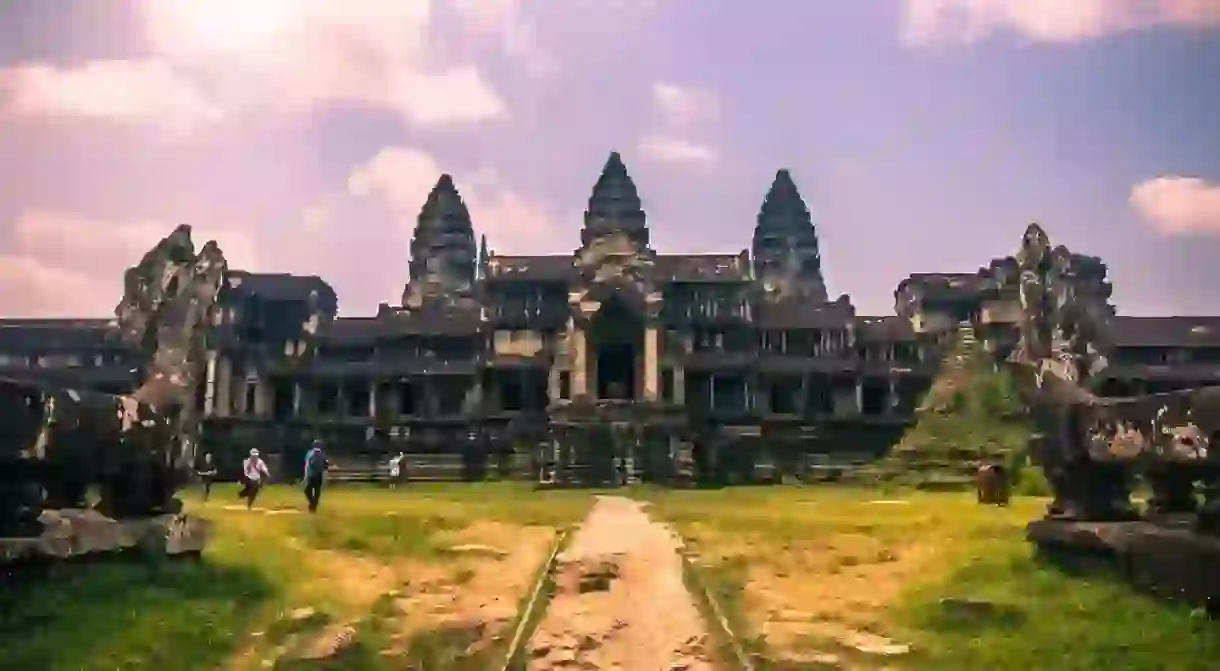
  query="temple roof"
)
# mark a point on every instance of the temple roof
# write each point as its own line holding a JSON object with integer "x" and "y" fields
{"x": 800, "y": 314}
{"x": 1166, "y": 331}
{"x": 444, "y": 199}
{"x": 282, "y": 287}
{"x": 615, "y": 197}
{"x": 666, "y": 268}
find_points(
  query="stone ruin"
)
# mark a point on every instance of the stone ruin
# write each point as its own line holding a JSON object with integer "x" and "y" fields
{"x": 136, "y": 449}
{"x": 1092, "y": 449}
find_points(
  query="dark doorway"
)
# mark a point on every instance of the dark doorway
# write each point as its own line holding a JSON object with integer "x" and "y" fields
{"x": 618, "y": 334}
{"x": 616, "y": 371}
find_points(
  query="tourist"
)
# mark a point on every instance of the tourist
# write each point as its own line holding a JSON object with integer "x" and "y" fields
{"x": 253, "y": 470}
{"x": 206, "y": 473}
{"x": 316, "y": 464}
{"x": 396, "y": 469}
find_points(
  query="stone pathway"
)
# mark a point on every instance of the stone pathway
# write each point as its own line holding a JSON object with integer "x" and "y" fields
{"x": 620, "y": 601}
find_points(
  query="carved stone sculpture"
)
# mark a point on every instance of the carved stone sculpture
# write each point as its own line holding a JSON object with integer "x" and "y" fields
{"x": 137, "y": 448}
{"x": 1090, "y": 447}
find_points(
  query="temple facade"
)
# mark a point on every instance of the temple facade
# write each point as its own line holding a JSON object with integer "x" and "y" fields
{"x": 614, "y": 363}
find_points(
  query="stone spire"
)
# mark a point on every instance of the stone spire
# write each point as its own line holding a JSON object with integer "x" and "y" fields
{"x": 443, "y": 251}
{"x": 614, "y": 205}
{"x": 785, "y": 245}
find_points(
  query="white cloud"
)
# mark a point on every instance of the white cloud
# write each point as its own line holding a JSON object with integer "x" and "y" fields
{"x": 31, "y": 288}
{"x": 1177, "y": 205}
{"x": 504, "y": 21}
{"x": 66, "y": 264}
{"x": 148, "y": 92}
{"x": 403, "y": 176}
{"x": 667, "y": 149}
{"x": 1059, "y": 21}
{"x": 280, "y": 55}
{"x": 682, "y": 106}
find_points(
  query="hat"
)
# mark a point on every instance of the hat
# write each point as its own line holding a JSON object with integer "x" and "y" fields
{"x": 254, "y": 453}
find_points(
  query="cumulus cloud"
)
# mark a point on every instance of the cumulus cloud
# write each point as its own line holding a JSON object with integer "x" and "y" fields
{"x": 146, "y": 92}
{"x": 504, "y": 21}
{"x": 1177, "y": 205}
{"x": 67, "y": 264}
{"x": 668, "y": 149}
{"x": 285, "y": 55}
{"x": 680, "y": 110}
{"x": 1058, "y": 21}
{"x": 402, "y": 177}
{"x": 682, "y": 106}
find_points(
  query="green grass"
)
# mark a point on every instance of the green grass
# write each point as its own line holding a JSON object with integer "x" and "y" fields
{"x": 229, "y": 610}
{"x": 794, "y": 567}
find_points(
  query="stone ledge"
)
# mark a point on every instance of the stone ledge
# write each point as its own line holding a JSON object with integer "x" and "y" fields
{"x": 72, "y": 533}
{"x": 1173, "y": 563}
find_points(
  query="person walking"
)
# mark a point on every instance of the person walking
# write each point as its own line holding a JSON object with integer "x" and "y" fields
{"x": 206, "y": 473}
{"x": 316, "y": 464}
{"x": 253, "y": 471}
{"x": 396, "y": 469}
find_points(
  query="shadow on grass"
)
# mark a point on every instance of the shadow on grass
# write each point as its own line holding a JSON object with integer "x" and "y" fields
{"x": 130, "y": 615}
{"x": 1012, "y": 610}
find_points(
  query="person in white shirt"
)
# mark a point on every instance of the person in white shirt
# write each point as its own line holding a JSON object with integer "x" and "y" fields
{"x": 253, "y": 470}
{"x": 396, "y": 469}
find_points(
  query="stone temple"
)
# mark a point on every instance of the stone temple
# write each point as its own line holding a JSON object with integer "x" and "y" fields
{"x": 615, "y": 362}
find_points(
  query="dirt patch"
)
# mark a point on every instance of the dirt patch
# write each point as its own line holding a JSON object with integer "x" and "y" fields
{"x": 620, "y": 600}
{"x": 480, "y": 591}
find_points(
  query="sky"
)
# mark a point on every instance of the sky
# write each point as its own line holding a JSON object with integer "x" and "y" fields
{"x": 304, "y": 135}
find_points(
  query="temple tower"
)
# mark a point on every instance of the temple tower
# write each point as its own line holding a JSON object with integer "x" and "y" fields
{"x": 443, "y": 248}
{"x": 614, "y": 206}
{"x": 785, "y": 246}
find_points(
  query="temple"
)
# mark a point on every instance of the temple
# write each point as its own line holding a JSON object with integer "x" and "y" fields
{"x": 611, "y": 364}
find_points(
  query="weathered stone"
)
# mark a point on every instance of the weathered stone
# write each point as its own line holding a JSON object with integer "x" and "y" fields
{"x": 75, "y": 533}
{"x": 137, "y": 448}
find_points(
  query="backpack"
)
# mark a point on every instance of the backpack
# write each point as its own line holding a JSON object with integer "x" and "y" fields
{"x": 317, "y": 463}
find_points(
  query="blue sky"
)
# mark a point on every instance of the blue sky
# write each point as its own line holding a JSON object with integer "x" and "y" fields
{"x": 303, "y": 134}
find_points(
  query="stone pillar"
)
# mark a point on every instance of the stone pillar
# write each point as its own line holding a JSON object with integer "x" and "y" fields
{"x": 373, "y": 399}
{"x": 652, "y": 363}
{"x": 580, "y": 368}
{"x": 891, "y": 405}
{"x": 296, "y": 398}
{"x": 859, "y": 409}
{"x": 262, "y": 398}
{"x": 224, "y": 386}
{"x": 679, "y": 385}
{"x": 209, "y": 388}
{"x": 552, "y": 381}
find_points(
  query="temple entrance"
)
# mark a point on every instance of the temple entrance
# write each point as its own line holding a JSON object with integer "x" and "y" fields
{"x": 618, "y": 338}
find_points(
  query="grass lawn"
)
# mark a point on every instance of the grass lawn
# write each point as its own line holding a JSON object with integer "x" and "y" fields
{"x": 419, "y": 574}
{"x": 810, "y": 573}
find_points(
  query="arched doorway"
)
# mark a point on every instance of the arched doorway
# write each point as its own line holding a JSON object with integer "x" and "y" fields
{"x": 618, "y": 340}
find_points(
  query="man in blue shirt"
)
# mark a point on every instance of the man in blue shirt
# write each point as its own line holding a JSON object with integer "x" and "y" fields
{"x": 316, "y": 464}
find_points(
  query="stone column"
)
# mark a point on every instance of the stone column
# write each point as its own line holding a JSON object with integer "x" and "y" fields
{"x": 296, "y": 398}
{"x": 209, "y": 389}
{"x": 580, "y": 368}
{"x": 262, "y": 398}
{"x": 552, "y": 381}
{"x": 679, "y": 385}
{"x": 891, "y": 406}
{"x": 373, "y": 399}
{"x": 859, "y": 409}
{"x": 652, "y": 364}
{"x": 224, "y": 386}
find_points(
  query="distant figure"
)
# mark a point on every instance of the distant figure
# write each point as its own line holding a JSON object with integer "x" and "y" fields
{"x": 396, "y": 469}
{"x": 206, "y": 473}
{"x": 253, "y": 470}
{"x": 991, "y": 483}
{"x": 316, "y": 464}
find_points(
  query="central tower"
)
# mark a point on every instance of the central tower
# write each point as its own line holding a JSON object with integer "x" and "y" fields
{"x": 614, "y": 206}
